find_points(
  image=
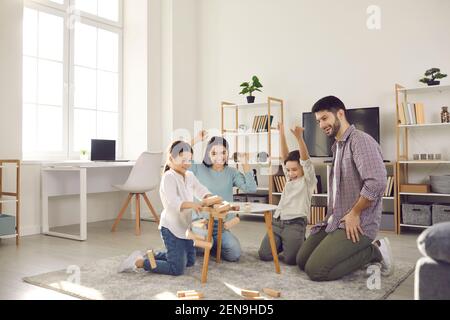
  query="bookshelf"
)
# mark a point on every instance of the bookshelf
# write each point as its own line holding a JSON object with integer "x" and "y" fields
{"x": 260, "y": 120}
{"x": 406, "y": 167}
{"x": 320, "y": 200}
{"x": 7, "y": 198}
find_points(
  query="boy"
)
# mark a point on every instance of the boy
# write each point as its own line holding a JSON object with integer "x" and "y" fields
{"x": 291, "y": 217}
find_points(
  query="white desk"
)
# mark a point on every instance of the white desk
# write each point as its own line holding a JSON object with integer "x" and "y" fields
{"x": 79, "y": 178}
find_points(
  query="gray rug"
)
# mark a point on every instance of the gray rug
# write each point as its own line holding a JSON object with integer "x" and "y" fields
{"x": 100, "y": 280}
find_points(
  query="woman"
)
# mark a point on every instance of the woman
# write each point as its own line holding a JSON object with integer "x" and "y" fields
{"x": 215, "y": 174}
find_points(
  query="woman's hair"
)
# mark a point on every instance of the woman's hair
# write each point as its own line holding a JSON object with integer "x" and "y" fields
{"x": 215, "y": 141}
{"x": 177, "y": 148}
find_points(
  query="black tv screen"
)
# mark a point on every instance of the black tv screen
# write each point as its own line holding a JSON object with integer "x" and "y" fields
{"x": 319, "y": 145}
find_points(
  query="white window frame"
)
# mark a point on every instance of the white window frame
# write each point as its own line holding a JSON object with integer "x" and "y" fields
{"x": 65, "y": 12}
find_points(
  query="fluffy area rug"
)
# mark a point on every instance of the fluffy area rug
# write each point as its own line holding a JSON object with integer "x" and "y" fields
{"x": 100, "y": 281}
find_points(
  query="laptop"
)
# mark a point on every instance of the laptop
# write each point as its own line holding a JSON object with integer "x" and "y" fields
{"x": 104, "y": 150}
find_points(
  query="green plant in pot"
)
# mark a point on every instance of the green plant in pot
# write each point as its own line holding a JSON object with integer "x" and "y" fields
{"x": 435, "y": 74}
{"x": 250, "y": 87}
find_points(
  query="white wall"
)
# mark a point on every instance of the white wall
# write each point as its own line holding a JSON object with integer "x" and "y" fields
{"x": 10, "y": 79}
{"x": 303, "y": 50}
{"x": 135, "y": 78}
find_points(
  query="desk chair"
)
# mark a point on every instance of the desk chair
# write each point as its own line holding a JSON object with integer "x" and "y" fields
{"x": 144, "y": 177}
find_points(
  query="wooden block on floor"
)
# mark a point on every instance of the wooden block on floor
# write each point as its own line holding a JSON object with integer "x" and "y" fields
{"x": 230, "y": 224}
{"x": 254, "y": 298}
{"x": 190, "y": 298}
{"x": 151, "y": 258}
{"x": 190, "y": 295}
{"x": 181, "y": 294}
{"x": 208, "y": 202}
{"x": 249, "y": 293}
{"x": 271, "y": 292}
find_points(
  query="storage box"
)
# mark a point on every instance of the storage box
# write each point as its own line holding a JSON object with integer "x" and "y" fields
{"x": 7, "y": 225}
{"x": 440, "y": 184}
{"x": 440, "y": 213}
{"x": 387, "y": 222}
{"x": 416, "y": 214}
{"x": 415, "y": 188}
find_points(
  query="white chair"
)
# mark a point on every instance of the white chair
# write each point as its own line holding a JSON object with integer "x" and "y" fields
{"x": 144, "y": 177}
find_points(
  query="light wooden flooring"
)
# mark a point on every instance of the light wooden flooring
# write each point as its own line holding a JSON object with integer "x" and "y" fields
{"x": 40, "y": 254}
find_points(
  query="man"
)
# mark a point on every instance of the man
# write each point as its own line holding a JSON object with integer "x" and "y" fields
{"x": 344, "y": 241}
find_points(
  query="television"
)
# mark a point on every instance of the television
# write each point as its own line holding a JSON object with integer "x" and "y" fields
{"x": 319, "y": 144}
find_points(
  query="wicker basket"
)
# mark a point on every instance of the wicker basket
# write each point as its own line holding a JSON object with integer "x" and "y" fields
{"x": 416, "y": 214}
{"x": 440, "y": 213}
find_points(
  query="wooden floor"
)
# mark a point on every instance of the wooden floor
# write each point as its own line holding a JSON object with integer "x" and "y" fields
{"x": 40, "y": 254}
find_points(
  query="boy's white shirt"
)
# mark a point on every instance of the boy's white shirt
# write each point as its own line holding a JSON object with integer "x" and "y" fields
{"x": 174, "y": 190}
{"x": 295, "y": 200}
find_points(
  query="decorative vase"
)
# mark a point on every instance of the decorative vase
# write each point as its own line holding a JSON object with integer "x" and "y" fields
{"x": 445, "y": 115}
{"x": 433, "y": 83}
{"x": 250, "y": 99}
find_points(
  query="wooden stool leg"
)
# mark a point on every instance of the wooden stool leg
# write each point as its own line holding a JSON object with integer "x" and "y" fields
{"x": 268, "y": 220}
{"x": 219, "y": 240}
{"x": 138, "y": 214}
{"x": 122, "y": 211}
{"x": 207, "y": 250}
{"x": 152, "y": 210}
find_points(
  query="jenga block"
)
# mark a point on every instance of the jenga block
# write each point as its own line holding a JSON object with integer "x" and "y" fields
{"x": 193, "y": 236}
{"x": 225, "y": 206}
{"x": 190, "y": 295}
{"x": 151, "y": 258}
{"x": 201, "y": 224}
{"x": 208, "y": 202}
{"x": 190, "y": 298}
{"x": 249, "y": 293}
{"x": 203, "y": 244}
{"x": 230, "y": 224}
{"x": 254, "y": 298}
{"x": 271, "y": 292}
{"x": 195, "y": 294}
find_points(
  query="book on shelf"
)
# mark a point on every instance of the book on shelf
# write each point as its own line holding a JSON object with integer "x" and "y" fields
{"x": 411, "y": 113}
{"x": 401, "y": 113}
{"x": 388, "y": 192}
{"x": 317, "y": 214}
{"x": 420, "y": 113}
{"x": 262, "y": 123}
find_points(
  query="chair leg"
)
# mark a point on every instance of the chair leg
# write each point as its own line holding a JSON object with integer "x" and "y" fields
{"x": 149, "y": 205}
{"x": 138, "y": 214}
{"x": 122, "y": 211}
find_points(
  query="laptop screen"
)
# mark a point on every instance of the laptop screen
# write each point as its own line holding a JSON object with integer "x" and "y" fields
{"x": 103, "y": 150}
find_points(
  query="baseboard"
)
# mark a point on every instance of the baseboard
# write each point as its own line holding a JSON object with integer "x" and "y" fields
{"x": 30, "y": 231}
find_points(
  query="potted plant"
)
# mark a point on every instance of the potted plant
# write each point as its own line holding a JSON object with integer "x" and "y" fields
{"x": 84, "y": 155}
{"x": 248, "y": 88}
{"x": 435, "y": 73}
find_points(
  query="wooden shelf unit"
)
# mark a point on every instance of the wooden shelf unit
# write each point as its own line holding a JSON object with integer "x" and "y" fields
{"x": 11, "y": 197}
{"x": 404, "y": 164}
{"x": 268, "y": 108}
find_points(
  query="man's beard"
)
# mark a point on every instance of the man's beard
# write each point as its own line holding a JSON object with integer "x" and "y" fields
{"x": 335, "y": 128}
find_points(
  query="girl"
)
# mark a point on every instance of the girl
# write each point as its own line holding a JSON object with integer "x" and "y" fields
{"x": 177, "y": 190}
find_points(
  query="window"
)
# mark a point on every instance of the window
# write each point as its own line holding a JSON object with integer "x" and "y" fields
{"x": 72, "y": 75}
